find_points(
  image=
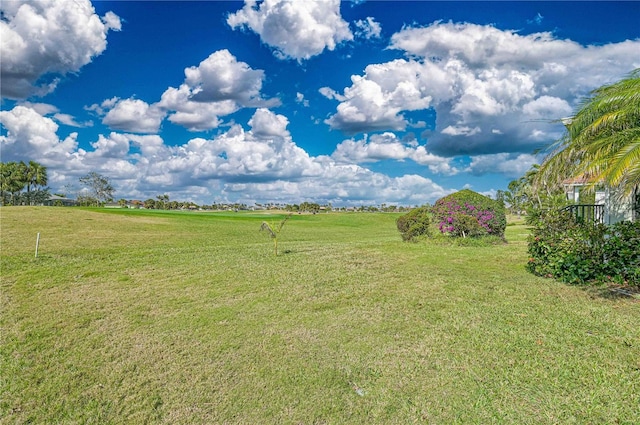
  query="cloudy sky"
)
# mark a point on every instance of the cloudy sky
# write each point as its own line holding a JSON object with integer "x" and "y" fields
{"x": 351, "y": 103}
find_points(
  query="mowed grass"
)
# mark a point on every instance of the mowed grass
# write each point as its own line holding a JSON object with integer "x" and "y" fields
{"x": 133, "y": 317}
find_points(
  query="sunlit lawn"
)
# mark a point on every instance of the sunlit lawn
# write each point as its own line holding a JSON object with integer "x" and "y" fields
{"x": 131, "y": 317}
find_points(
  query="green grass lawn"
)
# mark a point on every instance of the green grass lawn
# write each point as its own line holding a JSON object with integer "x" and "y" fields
{"x": 131, "y": 317}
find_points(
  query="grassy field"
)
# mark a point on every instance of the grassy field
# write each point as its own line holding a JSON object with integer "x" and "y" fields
{"x": 133, "y": 317}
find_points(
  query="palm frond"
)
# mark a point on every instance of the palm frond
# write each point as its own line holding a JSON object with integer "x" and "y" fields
{"x": 266, "y": 226}
{"x": 282, "y": 223}
{"x": 625, "y": 165}
{"x": 602, "y": 142}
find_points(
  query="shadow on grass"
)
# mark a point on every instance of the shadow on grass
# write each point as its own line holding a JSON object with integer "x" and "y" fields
{"x": 616, "y": 293}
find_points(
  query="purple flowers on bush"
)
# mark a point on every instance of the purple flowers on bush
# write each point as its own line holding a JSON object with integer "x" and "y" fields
{"x": 467, "y": 213}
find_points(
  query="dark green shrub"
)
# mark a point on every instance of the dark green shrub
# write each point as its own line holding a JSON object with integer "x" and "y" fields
{"x": 467, "y": 213}
{"x": 581, "y": 253}
{"x": 622, "y": 253}
{"x": 415, "y": 223}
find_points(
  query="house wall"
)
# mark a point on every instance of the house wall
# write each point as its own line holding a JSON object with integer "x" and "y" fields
{"x": 573, "y": 193}
{"x": 618, "y": 208}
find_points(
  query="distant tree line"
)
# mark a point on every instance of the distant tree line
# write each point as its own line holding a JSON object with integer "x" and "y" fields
{"x": 26, "y": 184}
{"x": 23, "y": 183}
{"x": 161, "y": 202}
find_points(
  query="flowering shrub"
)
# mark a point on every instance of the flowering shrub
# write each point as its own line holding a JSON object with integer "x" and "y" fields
{"x": 467, "y": 213}
{"x": 581, "y": 253}
{"x": 413, "y": 224}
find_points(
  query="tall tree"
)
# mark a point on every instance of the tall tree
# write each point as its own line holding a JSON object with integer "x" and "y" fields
{"x": 150, "y": 204}
{"x": 602, "y": 142}
{"x": 35, "y": 175}
{"x": 517, "y": 195}
{"x": 99, "y": 186}
{"x": 162, "y": 201}
{"x": 15, "y": 176}
{"x": 11, "y": 181}
{"x": 39, "y": 174}
{"x": 18, "y": 181}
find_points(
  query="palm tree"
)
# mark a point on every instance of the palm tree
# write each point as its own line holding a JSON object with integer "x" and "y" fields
{"x": 602, "y": 142}
{"x": 12, "y": 181}
{"x": 162, "y": 201}
{"x": 39, "y": 174}
{"x": 35, "y": 175}
{"x": 8, "y": 184}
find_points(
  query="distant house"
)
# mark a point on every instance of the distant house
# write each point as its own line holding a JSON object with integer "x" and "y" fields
{"x": 55, "y": 200}
{"x": 609, "y": 207}
{"x": 135, "y": 203}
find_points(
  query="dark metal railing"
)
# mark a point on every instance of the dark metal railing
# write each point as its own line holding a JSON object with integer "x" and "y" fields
{"x": 584, "y": 213}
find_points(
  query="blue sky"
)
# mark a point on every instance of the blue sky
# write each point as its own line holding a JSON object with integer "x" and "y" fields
{"x": 346, "y": 103}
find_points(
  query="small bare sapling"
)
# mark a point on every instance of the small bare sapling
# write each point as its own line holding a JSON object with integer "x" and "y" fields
{"x": 274, "y": 230}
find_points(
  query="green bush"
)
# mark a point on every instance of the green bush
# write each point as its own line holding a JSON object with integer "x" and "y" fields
{"x": 467, "y": 213}
{"x": 580, "y": 253}
{"x": 415, "y": 223}
{"x": 622, "y": 253}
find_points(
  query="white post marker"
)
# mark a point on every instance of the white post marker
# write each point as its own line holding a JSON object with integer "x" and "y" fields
{"x": 37, "y": 243}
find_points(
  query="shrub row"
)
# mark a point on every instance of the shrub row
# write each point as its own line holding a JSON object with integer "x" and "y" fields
{"x": 580, "y": 253}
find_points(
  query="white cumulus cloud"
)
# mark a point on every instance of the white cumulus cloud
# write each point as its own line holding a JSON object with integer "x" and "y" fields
{"x": 368, "y": 28}
{"x": 261, "y": 164}
{"x": 461, "y": 131}
{"x": 375, "y": 101}
{"x": 219, "y": 86}
{"x": 512, "y": 165}
{"x": 294, "y": 29}
{"x": 31, "y": 135}
{"x": 222, "y": 77}
{"x": 492, "y": 90}
{"x": 43, "y": 40}
{"x": 134, "y": 115}
{"x": 387, "y": 146}
{"x": 46, "y": 109}
{"x": 195, "y": 116}
{"x": 547, "y": 107}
